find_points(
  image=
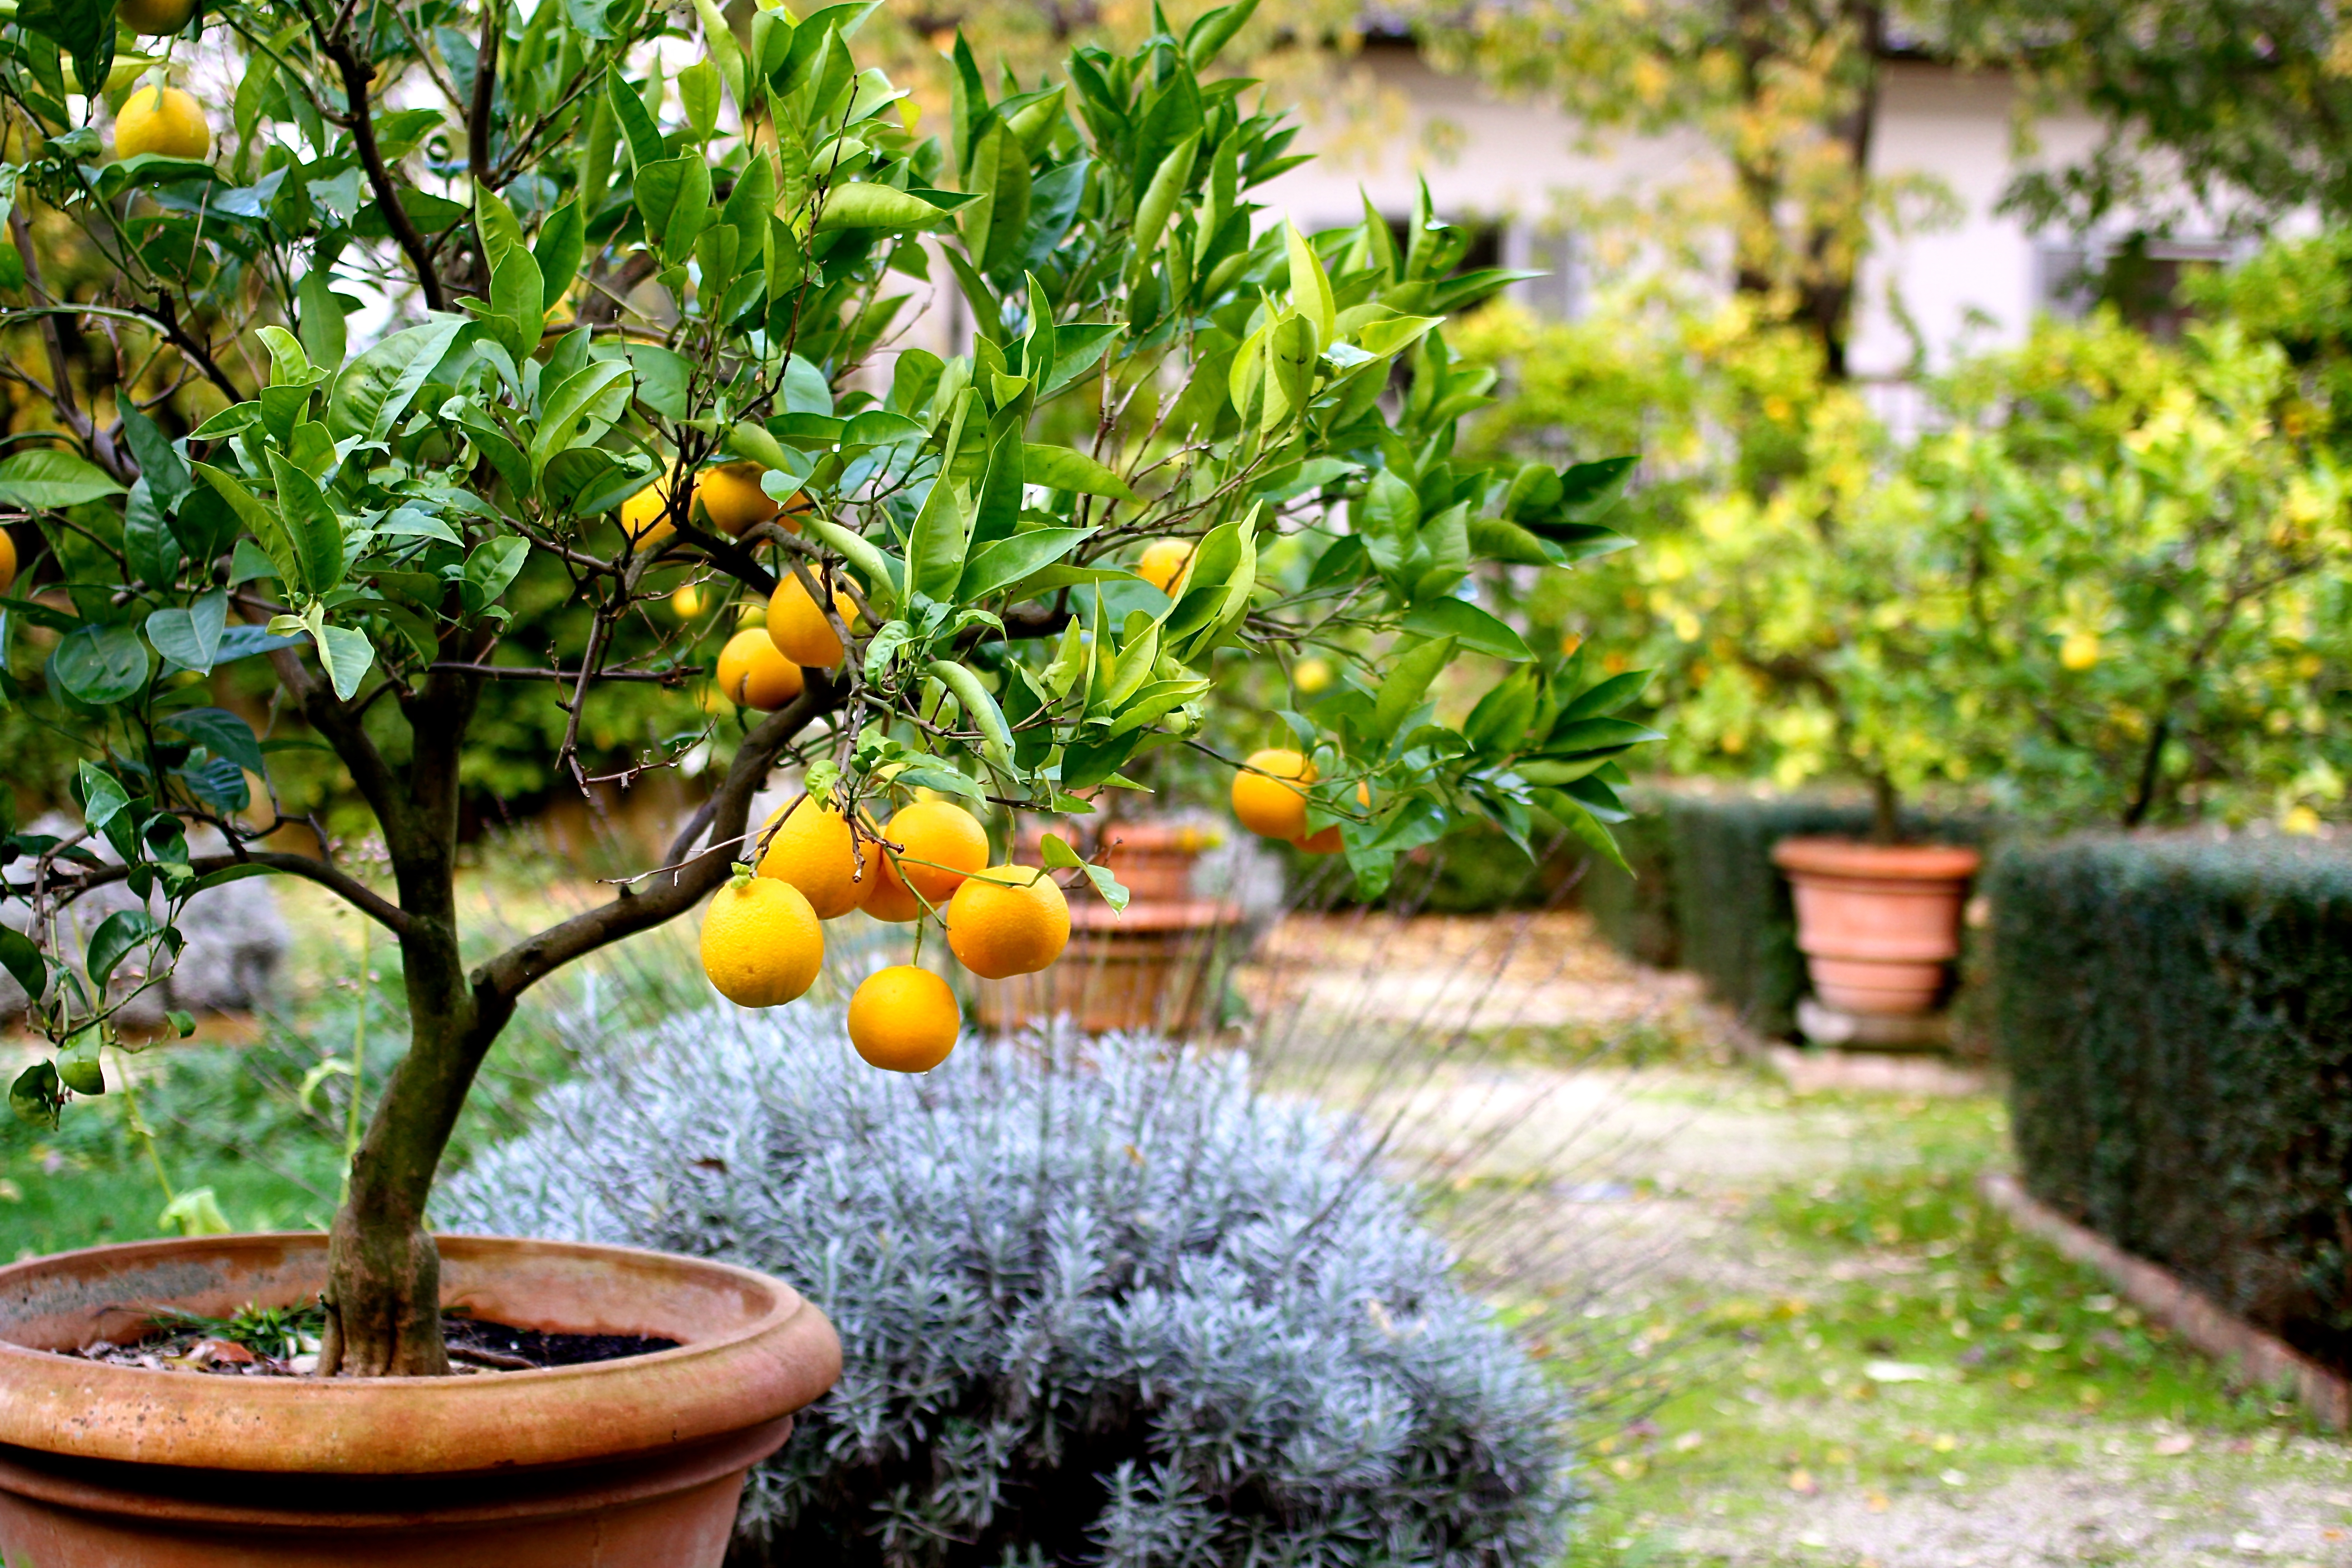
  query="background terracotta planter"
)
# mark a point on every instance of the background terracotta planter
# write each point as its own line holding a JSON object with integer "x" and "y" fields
{"x": 624, "y": 1464}
{"x": 1150, "y": 966}
{"x": 1877, "y": 923}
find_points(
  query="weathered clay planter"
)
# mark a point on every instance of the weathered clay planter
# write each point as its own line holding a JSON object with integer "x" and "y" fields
{"x": 1877, "y": 923}
{"x": 1150, "y": 967}
{"x": 624, "y": 1464}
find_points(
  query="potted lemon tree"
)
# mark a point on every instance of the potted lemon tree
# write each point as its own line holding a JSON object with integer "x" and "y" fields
{"x": 400, "y": 300}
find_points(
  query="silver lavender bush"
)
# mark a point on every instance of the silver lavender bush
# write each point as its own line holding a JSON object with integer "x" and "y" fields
{"x": 1099, "y": 1302}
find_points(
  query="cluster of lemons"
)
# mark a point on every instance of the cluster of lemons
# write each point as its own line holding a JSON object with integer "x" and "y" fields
{"x": 763, "y": 939}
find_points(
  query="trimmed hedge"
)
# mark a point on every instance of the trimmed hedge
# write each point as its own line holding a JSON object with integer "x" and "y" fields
{"x": 1636, "y": 913}
{"x": 2177, "y": 1017}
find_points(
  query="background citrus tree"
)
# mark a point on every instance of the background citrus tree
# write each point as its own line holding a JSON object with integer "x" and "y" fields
{"x": 641, "y": 331}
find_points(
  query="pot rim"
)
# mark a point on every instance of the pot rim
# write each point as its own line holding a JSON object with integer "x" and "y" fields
{"x": 1854, "y": 857}
{"x": 781, "y": 1355}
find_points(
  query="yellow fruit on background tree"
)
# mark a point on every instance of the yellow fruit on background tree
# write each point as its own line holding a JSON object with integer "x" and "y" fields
{"x": 1008, "y": 921}
{"x": 732, "y": 500}
{"x": 800, "y": 629}
{"x": 811, "y": 849}
{"x": 904, "y": 1019}
{"x": 942, "y": 843}
{"x": 162, "y": 119}
{"x": 1163, "y": 561}
{"x": 155, "y": 18}
{"x": 761, "y": 945}
{"x": 1311, "y": 675}
{"x": 1265, "y": 805}
{"x": 7, "y": 562}
{"x": 686, "y": 603}
{"x": 755, "y": 674}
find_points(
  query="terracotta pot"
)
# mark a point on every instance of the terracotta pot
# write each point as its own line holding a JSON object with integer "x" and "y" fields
{"x": 624, "y": 1464}
{"x": 1148, "y": 968}
{"x": 1877, "y": 923}
{"x": 1153, "y": 860}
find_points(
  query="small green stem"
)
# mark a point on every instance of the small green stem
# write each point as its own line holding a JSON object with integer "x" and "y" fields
{"x": 140, "y": 1130}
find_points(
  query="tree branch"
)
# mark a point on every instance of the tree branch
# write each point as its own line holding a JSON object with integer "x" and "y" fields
{"x": 344, "y": 886}
{"x": 505, "y": 977}
{"x": 356, "y": 72}
{"x": 485, "y": 87}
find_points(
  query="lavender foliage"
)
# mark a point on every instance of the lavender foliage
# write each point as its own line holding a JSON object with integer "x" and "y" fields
{"x": 1099, "y": 1302}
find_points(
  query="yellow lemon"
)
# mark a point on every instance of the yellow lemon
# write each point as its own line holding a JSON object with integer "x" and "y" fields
{"x": 755, "y": 674}
{"x": 731, "y": 497}
{"x": 7, "y": 562}
{"x": 1008, "y": 921}
{"x": 687, "y": 602}
{"x": 811, "y": 848}
{"x": 904, "y": 1019}
{"x": 1265, "y": 805}
{"x": 2080, "y": 651}
{"x": 1311, "y": 675}
{"x": 1163, "y": 561}
{"x": 162, "y": 119}
{"x": 761, "y": 945}
{"x": 800, "y": 629}
{"x": 939, "y": 844}
{"x": 157, "y": 18}
{"x": 645, "y": 516}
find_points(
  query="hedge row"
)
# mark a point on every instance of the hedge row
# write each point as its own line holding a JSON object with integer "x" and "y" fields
{"x": 2177, "y": 1017}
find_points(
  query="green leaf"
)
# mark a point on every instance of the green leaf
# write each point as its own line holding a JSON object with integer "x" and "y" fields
{"x": 1009, "y": 561}
{"x": 1467, "y": 624}
{"x": 978, "y": 707}
{"x": 374, "y": 390}
{"x": 166, "y": 471}
{"x": 49, "y": 480}
{"x": 674, "y": 195}
{"x": 581, "y": 395}
{"x": 1062, "y": 469}
{"x": 1057, "y": 854}
{"x": 314, "y": 532}
{"x": 1408, "y": 682}
{"x": 345, "y": 654}
{"x": 492, "y": 567}
{"x": 149, "y": 546}
{"x": 34, "y": 1096}
{"x": 865, "y": 205}
{"x": 289, "y": 364}
{"x": 195, "y": 1211}
{"x": 116, "y": 938}
{"x": 562, "y": 241}
{"x": 101, "y": 665}
{"x": 936, "y": 542}
{"x": 644, "y": 136}
{"x": 102, "y": 795}
{"x": 1606, "y": 697}
{"x": 225, "y": 733}
{"x": 1290, "y": 352}
{"x": 881, "y": 573}
{"x": 1158, "y": 201}
{"x": 1310, "y": 286}
{"x": 324, "y": 339}
{"x": 23, "y": 962}
{"x": 1572, "y": 813}
{"x": 1573, "y": 735}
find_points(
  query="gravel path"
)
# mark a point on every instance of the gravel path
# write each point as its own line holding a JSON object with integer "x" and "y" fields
{"x": 1772, "y": 1397}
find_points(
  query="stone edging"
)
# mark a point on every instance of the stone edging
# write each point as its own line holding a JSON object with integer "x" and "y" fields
{"x": 2253, "y": 1357}
{"x": 1827, "y": 1069}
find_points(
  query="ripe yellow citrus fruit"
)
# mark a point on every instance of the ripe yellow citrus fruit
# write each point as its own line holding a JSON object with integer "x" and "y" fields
{"x": 751, "y": 612}
{"x": 1328, "y": 842}
{"x": 941, "y": 844}
{"x": 761, "y": 945}
{"x": 800, "y": 629}
{"x": 1267, "y": 806}
{"x": 811, "y": 849}
{"x": 731, "y": 497}
{"x": 1007, "y": 920}
{"x": 687, "y": 602}
{"x": 157, "y": 18}
{"x": 645, "y": 516}
{"x": 1311, "y": 675}
{"x": 904, "y": 1019}
{"x": 2080, "y": 651}
{"x": 162, "y": 119}
{"x": 7, "y": 562}
{"x": 1163, "y": 561}
{"x": 755, "y": 674}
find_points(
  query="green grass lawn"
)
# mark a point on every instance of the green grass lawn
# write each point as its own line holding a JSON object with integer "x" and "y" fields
{"x": 1920, "y": 1346}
